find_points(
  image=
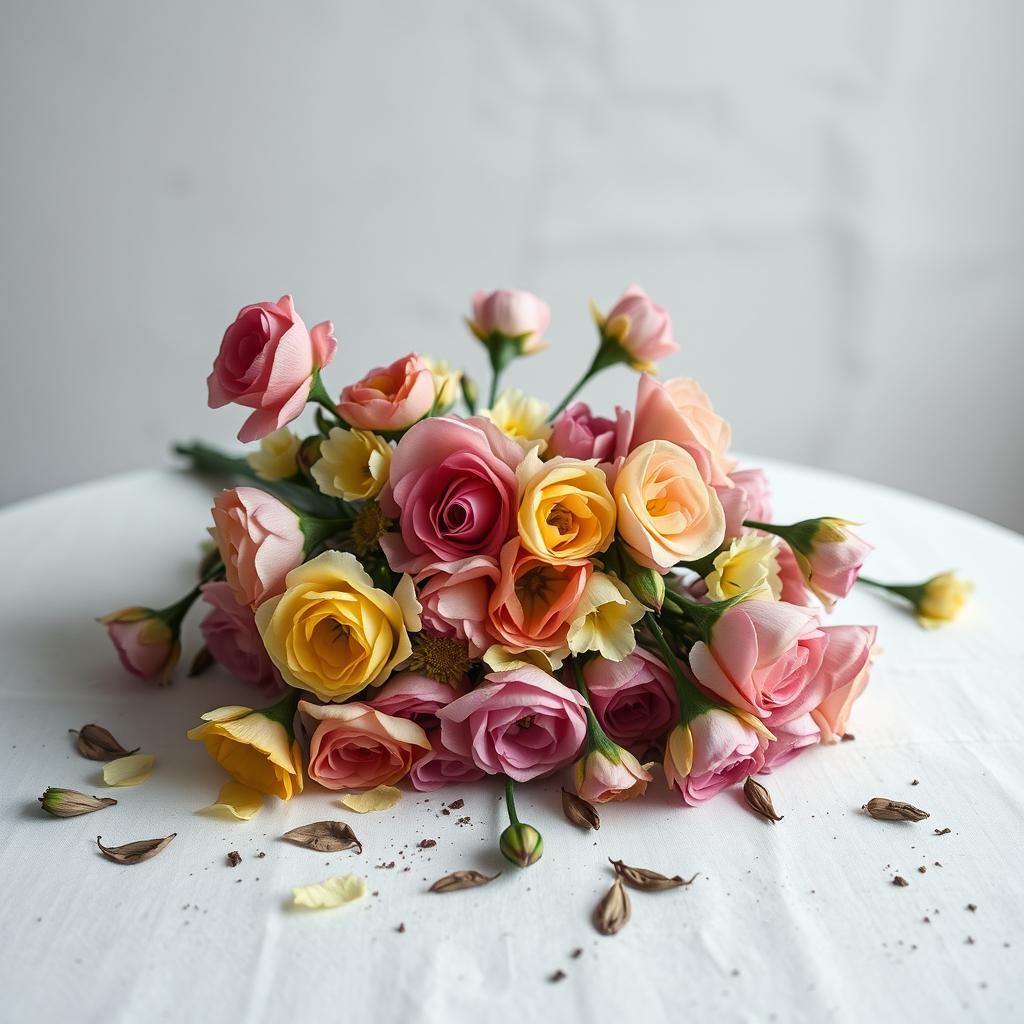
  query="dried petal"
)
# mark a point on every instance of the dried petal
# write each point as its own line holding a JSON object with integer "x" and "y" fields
{"x": 68, "y": 803}
{"x": 97, "y": 744}
{"x": 612, "y": 913}
{"x": 134, "y": 853}
{"x": 759, "y": 800}
{"x": 333, "y": 892}
{"x": 893, "y": 810}
{"x": 325, "y": 836}
{"x": 647, "y": 881}
{"x": 201, "y": 662}
{"x": 380, "y": 798}
{"x": 579, "y": 811}
{"x": 240, "y": 801}
{"x": 461, "y": 880}
{"x": 129, "y": 771}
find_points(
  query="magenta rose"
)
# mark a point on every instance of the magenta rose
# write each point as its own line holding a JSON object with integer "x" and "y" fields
{"x": 231, "y": 636}
{"x": 441, "y": 767}
{"x": 416, "y": 697}
{"x": 453, "y": 491}
{"x": 633, "y": 699}
{"x": 791, "y": 739}
{"x": 266, "y": 362}
{"x": 454, "y": 599}
{"x": 390, "y": 397}
{"x": 521, "y": 723}
{"x": 579, "y": 434}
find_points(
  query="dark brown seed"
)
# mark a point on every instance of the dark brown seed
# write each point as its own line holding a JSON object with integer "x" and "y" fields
{"x": 922, "y": 869}
{"x": 576, "y": 953}
{"x": 324, "y": 837}
{"x": 646, "y": 880}
{"x": 884, "y": 809}
{"x": 759, "y": 800}
{"x": 401, "y": 928}
{"x": 426, "y": 844}
{"x": 457, "y": 805}
{"x": 134, "y": 853}
{"x": 613, "y": 912}
{"x": 559, "y": 975}
{"x": 847, "y": 737}
{"x": 900, "y": 881}
{"x": 201, "y": 662}
{"x": 972, "y": 907}
{"x": 461, "y": 880}
{"x": 579, "y": 811}
{"x": 69, "y": 803}
{"x": 234, "y": 859}
{"x": 97, "y": 744}
{"x": 942, "y": 831}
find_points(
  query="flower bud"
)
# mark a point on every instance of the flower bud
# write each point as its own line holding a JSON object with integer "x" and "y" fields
{"x": 510, "y": 315}
{"x": 640, "y": 327}
{"x": 68, "y": 803}
{"x": 470, "y": 393}
{"x": 308, "y": 455}
{"x": 647, "y": 585}
{"x": 521, "y": 845}
{"x": 147, "y": 645}
{"x": 942, "y": 599}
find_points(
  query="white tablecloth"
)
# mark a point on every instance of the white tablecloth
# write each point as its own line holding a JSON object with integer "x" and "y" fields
{"x": 798, "y": 921}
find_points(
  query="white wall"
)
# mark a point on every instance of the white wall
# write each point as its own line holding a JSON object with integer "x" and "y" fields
{"x": 828, "y": 196}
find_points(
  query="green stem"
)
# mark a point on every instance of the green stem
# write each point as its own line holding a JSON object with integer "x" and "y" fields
{"x": 284, "y": 710}
{"x": 573, "y": 392}
{"x": 913, "y": 592}
{"x": 510, "y": 801}
{"x": 318, "y": 393}
{"x": 690, "y": 698}
{"x": 597, "y": 738}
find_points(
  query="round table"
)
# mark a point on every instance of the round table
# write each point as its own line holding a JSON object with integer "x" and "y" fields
{"x": 796, "y": 921}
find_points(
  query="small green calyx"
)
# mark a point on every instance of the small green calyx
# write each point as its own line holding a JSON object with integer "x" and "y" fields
{"x": 521, "y": 845}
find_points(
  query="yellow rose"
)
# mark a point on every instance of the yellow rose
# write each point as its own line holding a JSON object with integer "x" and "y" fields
{"x": 750, "y": 563}
{"x": 666, "y": 512}
{"x": 332, "y": 631}
{"x": 566, "y": 511}
{"x": 277, "y": 458}
{"x": 257, "y": 748}
{"x": 520, "y": 417}
{"x": 942, "y": 600}
{"x": 353, "y": 464}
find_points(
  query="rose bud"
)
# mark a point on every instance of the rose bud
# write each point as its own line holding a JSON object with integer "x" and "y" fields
{"x": 510, "y": 315}
{"x": 936, "y": 601}
{"x": 146, "y": 641}
{"x": 641, "y": 327}
{"x": 521, "y": 845}
{"x": 610, "y": 773}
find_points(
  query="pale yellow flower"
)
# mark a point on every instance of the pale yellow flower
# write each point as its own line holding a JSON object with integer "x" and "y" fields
{"x": 446, "y": 382}
{"x": 332, "y": 631}
{"x": 604, "y": 619}
{"x": 500, "y": 659}
{"x": 943, "y": 599}
{"x": 750, "y": 563}
{"x": 277, "y": 457}
{"x": 521, "y": 417}
{"x": 353, "y": 464}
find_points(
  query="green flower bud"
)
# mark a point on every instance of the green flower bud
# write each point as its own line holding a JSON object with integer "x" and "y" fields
{"x": 521, "y": 845}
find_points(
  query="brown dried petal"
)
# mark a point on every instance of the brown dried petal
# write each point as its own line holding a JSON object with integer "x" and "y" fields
{"x": 759, "y": 800}
{"x": 461, "y": 880}
{"x": 97, "y": 744}
{"x": 201, "y": 662}
{"x": 69, "y": 803}
{"x": 613, "y": 912}
{"x": 134, "y": 853}
{"x": 579, "y": 811}
{"x": 893, "y": 810}
{"x": 647, "y": 881}
{"x": 325, "y": 836}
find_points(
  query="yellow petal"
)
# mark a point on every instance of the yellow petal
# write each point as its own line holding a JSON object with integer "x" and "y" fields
{"x": 333, "y": 892}
{"x": 240, "y": 801}
{"x": 381, "y": 798}
{"x": 128, "y": 771}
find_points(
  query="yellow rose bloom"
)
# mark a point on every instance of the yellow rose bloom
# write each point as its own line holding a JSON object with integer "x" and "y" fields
{"x": 332, "y": 631}
{"x": 446, "y": 382}
{"x": 256, "y": 748}
{"x": 943, "y": 599}
{"x": 277, "y": 458}
{"x": 520, "y": 417}
{"x": 353, "y": 464}
{"x": 566, "y": 511}
{"x": 750, "y": 563}
{"x": 604, "y": 619}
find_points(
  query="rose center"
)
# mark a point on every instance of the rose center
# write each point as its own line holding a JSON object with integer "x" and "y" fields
{"x": 560, "y": 518}
{"x": 525, "y": 722}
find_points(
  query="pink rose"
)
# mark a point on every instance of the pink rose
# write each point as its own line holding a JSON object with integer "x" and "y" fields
{"x": 416, "y": 697}
{"x": 847, "y": 665}
{"x": 748, "y": 497}
{"x": 794, "y": 586}
{"x": 231, "y": 636}
{"x": 390, "y": 397}
{"x": 453, "y": 490}
{"x": 454, "y": 599}
{"x": 355, "y": 746}
{"x": 441, "y": 767}
{"x": 829, "y": 555}
{"x": 634, "y": 699}
{"x": 521, "y": 723}
{"x": 148, "y": 646}
{"x": 514, "y": 314}
{"x": 260, "y": 540}
{"x": 712, "y": 752}
{"x": 534, "y": 602}
{"x": 266, "y": 362}
{"x": 642, "y": 328}
{"x": 679, "y": 411}
{"x": 763, "y": 657}
{"x": 579, "y": 434}
{"x": 790, "y": 739}
{"x": 604, "y": 776}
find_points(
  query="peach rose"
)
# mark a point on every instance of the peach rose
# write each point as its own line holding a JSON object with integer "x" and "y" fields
{"x": 454, "y": 597}
{"x": 390, "y": 397}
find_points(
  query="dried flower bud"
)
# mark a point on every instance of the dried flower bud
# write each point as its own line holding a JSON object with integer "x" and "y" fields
{"x": 893, "y": 810}
{"x": 134, "y": 853}
{"x": 325, "y": 837}
{"x": 69, "y": 803}
{"x": 647, "y": 881}
{"x": 461, "y": 880}
{"x": 201, "y": 662}
{"x": 521, "y": 845}
{"x": 759, "y": 800}
{"x": 97, "y": 744}
{"x": 579, "y": 811}
{"x": 613, "y": 912}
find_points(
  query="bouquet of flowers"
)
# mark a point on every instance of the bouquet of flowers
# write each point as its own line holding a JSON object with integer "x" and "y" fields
{"x": 425, "y": 590}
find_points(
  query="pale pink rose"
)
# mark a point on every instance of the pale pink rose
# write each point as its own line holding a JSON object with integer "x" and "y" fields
{"x": 418, "y": 698}
{"x": 748, "y": 497}
{"x": 260, "y": 540}
{"x": 763, "y": 657}
{"x": 602, "y": 777}
{"x": 441, "y": 767}
{"x": 634, "y": 699}
{"x": 389, "y": 397}
{"x": 833, "y": 561}
{"x": 790, "y": 739}
{"x": 712, "y": 752}
{"x": 453, "y": 491}
{"x": 147, "y": 646}
{"x": 454, "y": 597}
{"x": 847, "y": 665}
{"x": 642, "y": 327}
{"x": 355, "y": 746}
{"x": 513, "y": 313}
{"x": 679, "y": 411}
{"x": 230, "y": 633}
{"x": 522, "y": 723}
{"x": 534, "y": 602}
{"x": 579, "y": 434}
{"x": 266, "y": 362}
{"x": 794, "y": 585}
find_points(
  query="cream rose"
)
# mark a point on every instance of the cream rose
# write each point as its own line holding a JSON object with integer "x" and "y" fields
{"x": 353, "y": 464}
